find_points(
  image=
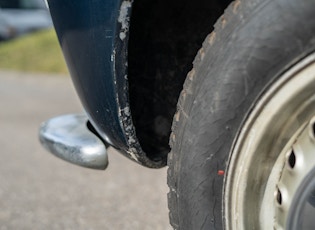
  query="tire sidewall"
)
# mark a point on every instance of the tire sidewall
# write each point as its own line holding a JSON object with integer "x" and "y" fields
{"x": 253, "y": 47}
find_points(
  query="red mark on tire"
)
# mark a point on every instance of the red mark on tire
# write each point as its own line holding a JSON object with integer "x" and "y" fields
{"x": 220, "y": 172}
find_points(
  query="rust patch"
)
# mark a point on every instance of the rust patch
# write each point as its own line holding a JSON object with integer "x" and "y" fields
{"x": 236, "y": 4}
{"x": 211, "y": 38}
{"x": 177, "y": 116}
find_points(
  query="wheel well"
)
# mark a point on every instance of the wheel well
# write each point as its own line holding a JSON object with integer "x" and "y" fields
{"x": 165, "y": 36}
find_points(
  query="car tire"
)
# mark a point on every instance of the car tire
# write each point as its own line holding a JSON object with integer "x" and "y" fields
{"x": 247, "y": 56}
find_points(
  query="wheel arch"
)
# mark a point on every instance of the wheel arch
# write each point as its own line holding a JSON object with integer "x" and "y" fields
{"x": 164, "y": 38}
{"x": 128, "y": 61}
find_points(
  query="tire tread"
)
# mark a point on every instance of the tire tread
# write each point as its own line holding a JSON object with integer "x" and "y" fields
{"x": 183, "y": 107}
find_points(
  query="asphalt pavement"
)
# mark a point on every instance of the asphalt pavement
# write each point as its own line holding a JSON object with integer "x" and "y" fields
{"x": 40, "y": 191}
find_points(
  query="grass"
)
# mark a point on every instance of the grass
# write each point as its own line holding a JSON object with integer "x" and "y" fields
{"x": 37, "y": 52}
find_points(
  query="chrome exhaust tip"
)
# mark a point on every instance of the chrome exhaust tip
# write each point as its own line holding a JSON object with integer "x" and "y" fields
{"x": 69, "y": 138}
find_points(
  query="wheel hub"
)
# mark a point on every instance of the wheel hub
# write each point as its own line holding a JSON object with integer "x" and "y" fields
{"x": 294, "y": 196}
{"x": 274, "y": 155}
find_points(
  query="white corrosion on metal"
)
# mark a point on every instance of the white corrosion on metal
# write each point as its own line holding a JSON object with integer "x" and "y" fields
{"x": 124, "y": 19}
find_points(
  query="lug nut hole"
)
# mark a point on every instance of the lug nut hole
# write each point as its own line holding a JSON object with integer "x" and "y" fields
{"x": 279, "y": 197}
{"x": 292, "y": 159}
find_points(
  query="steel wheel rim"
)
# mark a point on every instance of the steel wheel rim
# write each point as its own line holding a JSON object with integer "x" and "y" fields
{"x": 260, "y": 154}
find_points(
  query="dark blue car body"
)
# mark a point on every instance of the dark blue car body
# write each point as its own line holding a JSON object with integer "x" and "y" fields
{"x": 94, "y": 38}
{"x": 128, "y": 61}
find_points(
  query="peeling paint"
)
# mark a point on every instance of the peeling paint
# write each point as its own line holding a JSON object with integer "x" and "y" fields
{"x": 131, "y": 140}
{"x": 132, "y": 152}
{"x": 112, "y": 57}
{"x": 127, "y": 111}
{"x": 126, "y": 122}
{"x": 124, "y": 19}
